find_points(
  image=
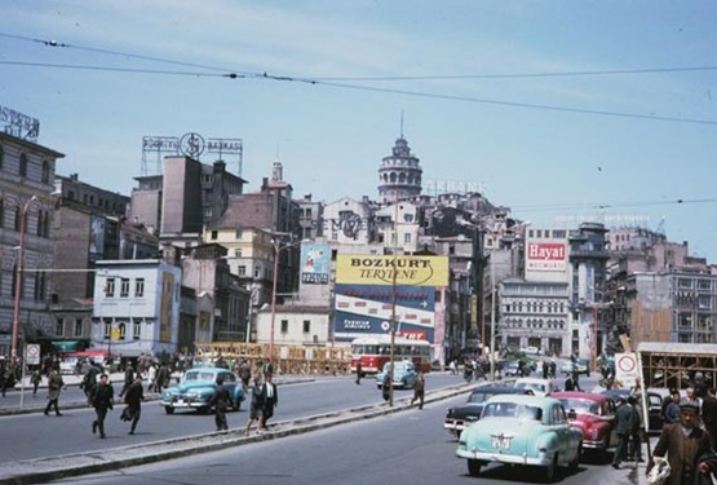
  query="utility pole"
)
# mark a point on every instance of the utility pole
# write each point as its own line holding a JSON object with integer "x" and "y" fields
{"x": 492, "y": 318}
{"x": 393, "y": 299}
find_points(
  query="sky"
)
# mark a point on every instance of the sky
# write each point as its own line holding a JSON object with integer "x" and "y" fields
{"x": 552, "y": 167}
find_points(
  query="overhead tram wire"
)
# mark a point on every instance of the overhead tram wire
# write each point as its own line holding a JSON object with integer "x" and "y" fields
{"x": 613, "y": 205}
{"x": 131, "y": 70}
{"x": 378, "y": 89}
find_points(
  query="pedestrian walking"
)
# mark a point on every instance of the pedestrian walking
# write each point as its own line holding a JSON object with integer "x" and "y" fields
{"x": 256, "y": 404}
{"x": 221, "y": 400}
{"x": 102, "y": 400}
{"x": 637, "y": 429}
{"x": 672, "y": 410}
{"x": 419, "y": 390}
{"x": 54, "y": 387}
{"x": 163, "y": 377}
{"x": 89, "y": 381}
{"x": 128, "y": 378}
{"x": 152, "y": 378}
{"x": 709, "y": 415}
{"x": 576, "y": 380}
{"x": 546, "y": 369}
{"x": 133, "y": 398}
{"x": 453, "y": 367}
{"x": 386, "y": 385}
{"x": 553, "y": 369}
{"x": 359, "y": 371}
{"x": 245, "y": 373}
{"x": 569, "y": 385}
{"x": 270, "y": 399}
{"x": 35, "y": 380}
{"x": 624, "y": 418}
{"x": 684, "y": 443}
{"x": 5, "y": 377}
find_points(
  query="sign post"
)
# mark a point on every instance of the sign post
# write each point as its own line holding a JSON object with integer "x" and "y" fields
{"x": 626, "y": 369}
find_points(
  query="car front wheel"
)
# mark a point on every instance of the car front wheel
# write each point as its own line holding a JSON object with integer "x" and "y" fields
{"x": 169, "y": 409}
{"x": 474, "y": 467}
{"x": 549, "y": 472}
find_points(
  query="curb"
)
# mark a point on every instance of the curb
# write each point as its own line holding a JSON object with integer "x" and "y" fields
{"x": 30, "y": 471}
{"x": 83, "y": 404}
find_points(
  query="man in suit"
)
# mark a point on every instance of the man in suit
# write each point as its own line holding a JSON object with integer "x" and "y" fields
{"x": 54, "y": 385}
{"x": 419, "y": 390}
{"x": 102, "y": 399}
{"x": 133, "y": 398}
{"x": 359, "y": 371}
{"x": 684, "y": 443}
{"x": 221, "y": 400}
{"x": 270, "y": 399}
{"x": 709, "y": 415}
{"x": 625, "y": 423}
{"x": 256, "y": 404}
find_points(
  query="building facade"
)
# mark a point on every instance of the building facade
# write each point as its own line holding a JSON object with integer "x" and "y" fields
{"x": 136, "y": 307}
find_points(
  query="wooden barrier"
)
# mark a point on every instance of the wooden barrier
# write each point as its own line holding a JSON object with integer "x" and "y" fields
{"x": 288, "y": 359}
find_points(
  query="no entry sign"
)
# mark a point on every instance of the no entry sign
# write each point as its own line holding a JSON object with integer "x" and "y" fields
{"x": 626, "y": 369}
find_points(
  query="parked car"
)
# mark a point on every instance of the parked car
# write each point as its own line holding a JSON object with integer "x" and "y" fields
{"x": 460, "y": 417}
{"x": 510, "y": 368}
{"x": 654, "y": 408}
{"x": 582, "y": 366}
{"x": 197, "y": 387}
{"x": 404, "y": 374}
{"x": 593, "y": 415}
{"x": 521, "y": 430}
{"x": 539, "y": 387}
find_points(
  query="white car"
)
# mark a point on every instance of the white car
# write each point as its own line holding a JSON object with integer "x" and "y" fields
{"x": 530, "y": 350}
{"x": 540, "y": 387}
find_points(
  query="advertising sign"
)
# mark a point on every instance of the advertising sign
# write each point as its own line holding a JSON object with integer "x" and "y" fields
{"x": 32, "y": 354}
{"x": 367, "y": 309}
{"x": 367, "y": 269}
{"x": 546, "y": 256}
{"x": 165, "y": 318}
{"x": 97, "y": 238}
{"x": 626, "y": 370}
{"x": 315, "y": 264}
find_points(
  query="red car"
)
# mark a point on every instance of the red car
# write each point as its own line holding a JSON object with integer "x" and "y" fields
{"x": 593, "y": 415}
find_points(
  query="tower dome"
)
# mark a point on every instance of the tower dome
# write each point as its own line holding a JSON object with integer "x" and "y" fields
{"x": 399, "y": 176}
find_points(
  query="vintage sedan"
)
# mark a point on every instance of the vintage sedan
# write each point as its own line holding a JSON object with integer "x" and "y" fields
{"x": 580, "y": 366}
{"x": 539, "y": 387}
{"x": 593, "y": 415}
{"x": 197, "y": 387}
{"x": 521, "y": 430}
{"x": 460, "y": 417}
{"x": 404, "y": 374}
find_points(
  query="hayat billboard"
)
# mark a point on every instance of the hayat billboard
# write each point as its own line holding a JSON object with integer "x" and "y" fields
{"x": 546, "y": 256}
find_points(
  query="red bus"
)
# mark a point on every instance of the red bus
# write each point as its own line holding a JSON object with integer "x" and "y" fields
{"x": 374, "y": 352}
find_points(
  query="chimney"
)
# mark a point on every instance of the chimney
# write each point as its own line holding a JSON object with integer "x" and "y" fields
{"x": 74, "y": 176}
{"x": 264, "y": 183}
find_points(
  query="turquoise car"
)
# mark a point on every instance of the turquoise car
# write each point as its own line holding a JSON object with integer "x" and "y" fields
{"x": 197, "y": 387}
{"x": 404, "y": 374}
{"x": 521, "y": 430}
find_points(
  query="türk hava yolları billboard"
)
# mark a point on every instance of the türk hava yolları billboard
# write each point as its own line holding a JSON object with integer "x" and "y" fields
{"x": 368, "y": 269}
{"x": 546, "y": 256}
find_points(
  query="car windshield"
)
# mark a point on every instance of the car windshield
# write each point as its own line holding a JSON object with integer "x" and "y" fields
{"x": 581, "y": 406}
{"x": 533, "y": 386}
{"x": 480, "y": 396}
{"x": 199, "y": 376}
{"x": 513, "y": 410}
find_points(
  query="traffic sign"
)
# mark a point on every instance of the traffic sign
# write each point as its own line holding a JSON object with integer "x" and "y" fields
{"x": 626, "y": 370}
{"x": 32, "y": 354}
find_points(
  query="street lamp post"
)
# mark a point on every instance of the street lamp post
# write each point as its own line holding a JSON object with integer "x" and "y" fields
{"x": 277, "y": 252}
{"x": 18, "y": 276}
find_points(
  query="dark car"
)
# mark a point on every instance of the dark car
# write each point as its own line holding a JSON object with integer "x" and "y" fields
{"x": 654, "y": 407}
{"x": 459, "y": 418}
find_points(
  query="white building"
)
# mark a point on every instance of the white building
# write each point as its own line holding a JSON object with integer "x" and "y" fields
{"x": 294, "y": 325}
{"x": 398, "y": 226}
{"x": 349, "y": 222}
{"x": 136, "y": 307}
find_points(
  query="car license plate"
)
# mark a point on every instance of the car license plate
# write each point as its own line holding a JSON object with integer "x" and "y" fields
{"x": 500, "y": 442}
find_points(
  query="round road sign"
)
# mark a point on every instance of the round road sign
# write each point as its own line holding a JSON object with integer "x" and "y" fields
{"x": 626, "y": 363}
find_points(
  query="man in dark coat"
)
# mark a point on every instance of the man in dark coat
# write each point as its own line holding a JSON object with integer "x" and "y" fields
{"x": 684, "y": 443}
{"x": 386, "y": 385}
{"x": 245, "y": 373}
{"x": 4, "y": 377}
{"x": 54, "y": 386}
{"x": 133, "y": 399}
{"x": 128, "y": 378}
{"x": 89, "y": 381}
{"x": 637, "y": 429}
{"x": 221, "y": 400}
{"x": 102, "y": 399}
{"x": 569, "y": 385}
{"x": 256, "y": 404}
{"x": 419, "y": 390}
{"x": 625, "y": 423}
{"x": 359, "y": 371}
{"x": 270, "y": 398}
{"x": 162, "y": 378}
{"x": 709, "y": 415}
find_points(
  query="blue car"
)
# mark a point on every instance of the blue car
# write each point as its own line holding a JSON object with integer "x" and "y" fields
{"x": 198, "y": 386}
{"x": 404, "y": 374}
{"x": 521, "y": 430}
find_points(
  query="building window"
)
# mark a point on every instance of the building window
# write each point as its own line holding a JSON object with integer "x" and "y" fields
{"x": 285, "y": 326}
{"x": 685, "y": 283}
{"x": 238, "y": 234}
{"x": 215, "y": 234}
{"x": 308, "y": 212}
{"x": 124, "y": 288}
{"x": 407, "y": 238}
{"x": 559, "y": 234}
{"x": 307, "y": 326}
{"x": 23, "y": 165}
{"x": 60, "y": 327}
{"x": 45, "y": 172}
{"x": 242, "y": 270}
{"x": 136, "y": 328}
{"x": 14, "y": 282}
{"x": 110, "y": 288}
{"x": 237, "y": 253}
{"x": 40, "y": 225}
{"x": 257, "y": 272}
{"x": 40, "y": 285}
{"x": 108, "y": 329}
{"x": 139, "y": 287}
{"x": 122, "y": 331}
{"x": 703, "y": 284}
{"x": 307, "y": 233}
{"x": 78, "y": 327}
{"x": 17, "y": 218}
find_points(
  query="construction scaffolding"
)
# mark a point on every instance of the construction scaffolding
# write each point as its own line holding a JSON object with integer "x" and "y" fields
{"x": 289, "y": 359}
{"x": 675, "y": 365}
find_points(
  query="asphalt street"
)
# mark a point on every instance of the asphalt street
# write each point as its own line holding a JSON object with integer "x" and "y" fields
{"x": 405, "y": 448}
{"x": 37, "y": 435}
{"x": 69, "y": 394}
